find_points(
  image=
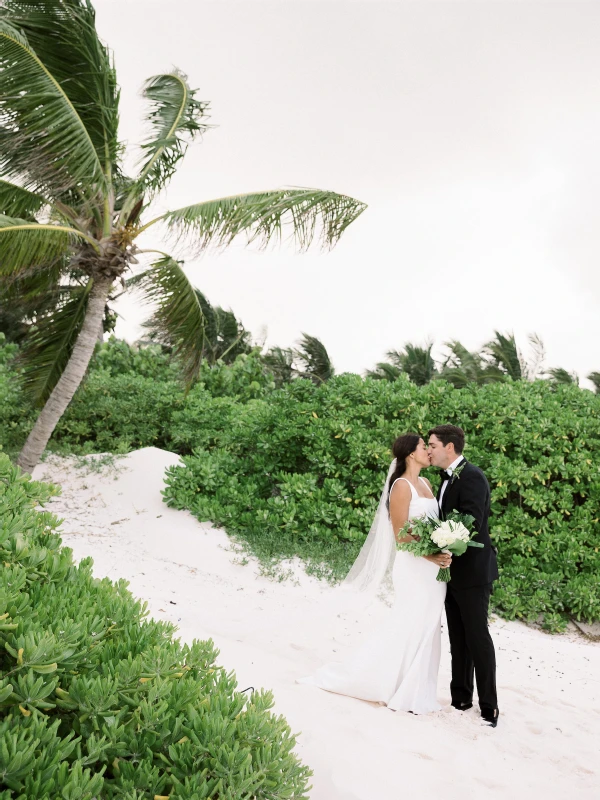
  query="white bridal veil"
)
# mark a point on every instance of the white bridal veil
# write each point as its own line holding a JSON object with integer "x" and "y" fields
{"x": 372, "y": 570}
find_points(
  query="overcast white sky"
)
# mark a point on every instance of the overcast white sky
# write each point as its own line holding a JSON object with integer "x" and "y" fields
{"x": 472, "y": 130}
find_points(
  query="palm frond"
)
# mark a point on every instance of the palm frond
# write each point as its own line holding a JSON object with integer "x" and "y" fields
{"x": 594, "y": 377}
{"x": 460, "y": 357}
{"x": 384, "y": 372}
{"x": 560, "y": 376}
{"x": 462, "y": 367}
{"x": 25, "y": 244}
{"x": 43, "y": 139}
{"x": 262, "y": 216}
{"x": 175, "y": 119}
{"x": 27, "y": 296}
{"x": 535, "y": 366}
{"x": 315, "y": 359}
{"x": 396, "y": 358}
{"x": 46, "y": 351}
{"x": 18, "y": 202}
{"x": 505, "y": 354}
{"x": 417, "y": 362}
{"x": 279, "y": 361}
{"x": 178, "y": 316}
{"x": 63, "y": 35}
{"x": 230, "y": 338}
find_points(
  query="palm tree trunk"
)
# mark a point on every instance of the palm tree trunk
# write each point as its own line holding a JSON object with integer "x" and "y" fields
{"x": 69, "y": 381}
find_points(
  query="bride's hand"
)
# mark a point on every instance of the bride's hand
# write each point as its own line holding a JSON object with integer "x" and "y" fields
{"x": 441, "y": 560}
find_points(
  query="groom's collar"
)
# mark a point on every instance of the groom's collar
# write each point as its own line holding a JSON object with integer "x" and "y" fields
{"x": 455, "y": 464}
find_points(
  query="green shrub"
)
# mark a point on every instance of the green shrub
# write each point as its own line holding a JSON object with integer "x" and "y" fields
{"x": 16, "y": 414}
{"x": 297, "y": 471}
{"x": 118, "y": 357}
{"x": 97, "y": 701}
{"x": 300, "y": 474}
{"x": 245, "y": 378}
{"x": 133, "y": 397}
{"x": 118, "y": 413}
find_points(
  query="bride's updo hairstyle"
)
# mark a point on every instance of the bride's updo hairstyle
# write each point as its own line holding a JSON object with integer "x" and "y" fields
{"x": 402, "y": 448}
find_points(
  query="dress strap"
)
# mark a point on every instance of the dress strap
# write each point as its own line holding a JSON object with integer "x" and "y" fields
{"x": 413, "y": 491}
{"x": 427, "y": 486}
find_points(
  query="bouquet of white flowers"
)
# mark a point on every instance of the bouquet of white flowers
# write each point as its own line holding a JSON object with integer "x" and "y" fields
{"x": 431, "y": 536}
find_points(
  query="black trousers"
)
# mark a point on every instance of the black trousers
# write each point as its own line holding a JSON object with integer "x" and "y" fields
{"x": 471, "y": 646}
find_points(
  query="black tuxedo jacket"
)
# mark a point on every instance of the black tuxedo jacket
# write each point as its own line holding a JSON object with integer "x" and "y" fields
{"x": 469, "y": 493}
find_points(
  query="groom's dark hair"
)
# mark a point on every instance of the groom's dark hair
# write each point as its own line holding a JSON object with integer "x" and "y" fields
{"x": 450, "y": 433}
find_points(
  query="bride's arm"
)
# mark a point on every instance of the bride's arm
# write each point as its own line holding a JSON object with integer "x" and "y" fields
{"x": 399, "y": 503}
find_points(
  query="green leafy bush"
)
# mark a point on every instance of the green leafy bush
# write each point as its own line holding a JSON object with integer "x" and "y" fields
{"x": 118, "y": 413}
{"x": 97, "y": 701}
{"x": 297, "y": 471}
{"x": 300, "y": 474}
{"x": 133, "y": 397}
{"x": 16, "y": 414}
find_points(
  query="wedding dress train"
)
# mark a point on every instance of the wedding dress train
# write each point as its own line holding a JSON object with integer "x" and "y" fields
{"x": 398, "y": 664}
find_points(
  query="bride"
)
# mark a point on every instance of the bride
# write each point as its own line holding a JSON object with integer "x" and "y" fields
{"x": 398, "y": 664}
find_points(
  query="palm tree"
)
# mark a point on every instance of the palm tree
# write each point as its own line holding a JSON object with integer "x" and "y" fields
{"x": 314, "y": 361}
{"x": 594, "y": 377}
{"x": 505, "y": 355}
{"x": 67, "y": 203}
{"x": 560, "y": 376}
{"x": 416, "y": 362}
{"x": 309, "y": 360}
{"x": 384, "y": 372}
{"x": 222, "y": 338}
{"x": 502, "y": 352}
{"x": 30, "y": 302}
{"x": 463, "y": 367}
{"x": 279, "y": 361}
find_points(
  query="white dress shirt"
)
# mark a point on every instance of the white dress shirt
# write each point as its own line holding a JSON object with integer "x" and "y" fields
{"x": 450, "y": 470}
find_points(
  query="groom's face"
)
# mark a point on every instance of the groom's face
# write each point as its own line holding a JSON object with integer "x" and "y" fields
{"x": 440, "y": 456}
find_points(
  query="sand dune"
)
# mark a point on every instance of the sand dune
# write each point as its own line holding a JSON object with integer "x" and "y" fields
{"x": 270, "y": 633}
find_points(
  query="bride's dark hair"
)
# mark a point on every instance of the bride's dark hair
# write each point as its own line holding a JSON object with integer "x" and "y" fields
{"x": 402, "y": 448}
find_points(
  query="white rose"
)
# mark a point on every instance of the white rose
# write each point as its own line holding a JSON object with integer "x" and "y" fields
{"x": 442, "y": 537}
{"x": 460, "y": 531}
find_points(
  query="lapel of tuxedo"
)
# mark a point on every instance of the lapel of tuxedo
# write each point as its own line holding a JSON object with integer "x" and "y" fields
{"x": 451, "y": 488}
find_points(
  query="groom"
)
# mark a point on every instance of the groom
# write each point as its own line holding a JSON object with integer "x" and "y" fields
{"x": 465, "y": 489}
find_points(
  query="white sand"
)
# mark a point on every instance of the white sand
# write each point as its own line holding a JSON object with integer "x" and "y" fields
{"x": 546, "y": 744}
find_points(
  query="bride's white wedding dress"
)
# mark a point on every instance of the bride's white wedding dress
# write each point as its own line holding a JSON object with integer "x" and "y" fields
{"x": 398, "y": 664}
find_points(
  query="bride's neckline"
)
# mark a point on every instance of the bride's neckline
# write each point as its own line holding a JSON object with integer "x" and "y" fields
{"x": 431, "y": 495}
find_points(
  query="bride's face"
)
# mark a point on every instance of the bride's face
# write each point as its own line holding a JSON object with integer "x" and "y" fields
{"x": 420, "y": 455}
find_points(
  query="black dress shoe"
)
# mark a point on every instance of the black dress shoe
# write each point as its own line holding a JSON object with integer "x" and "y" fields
{"x": 462, "y": 706}
{"x": 490, "y": 716}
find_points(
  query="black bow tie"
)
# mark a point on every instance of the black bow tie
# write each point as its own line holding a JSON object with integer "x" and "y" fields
{"x": 445, "y": 476}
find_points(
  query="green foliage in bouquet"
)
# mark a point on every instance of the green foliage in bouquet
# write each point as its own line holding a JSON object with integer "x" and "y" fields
{"x": 299, "y": 474}
{"x": 97, "y": 701}
{"x": 425, "y": 532}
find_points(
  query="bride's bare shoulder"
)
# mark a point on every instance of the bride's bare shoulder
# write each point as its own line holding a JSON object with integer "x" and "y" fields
{"x": 401, "y": 483}
{"x": 400, "y": 488}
